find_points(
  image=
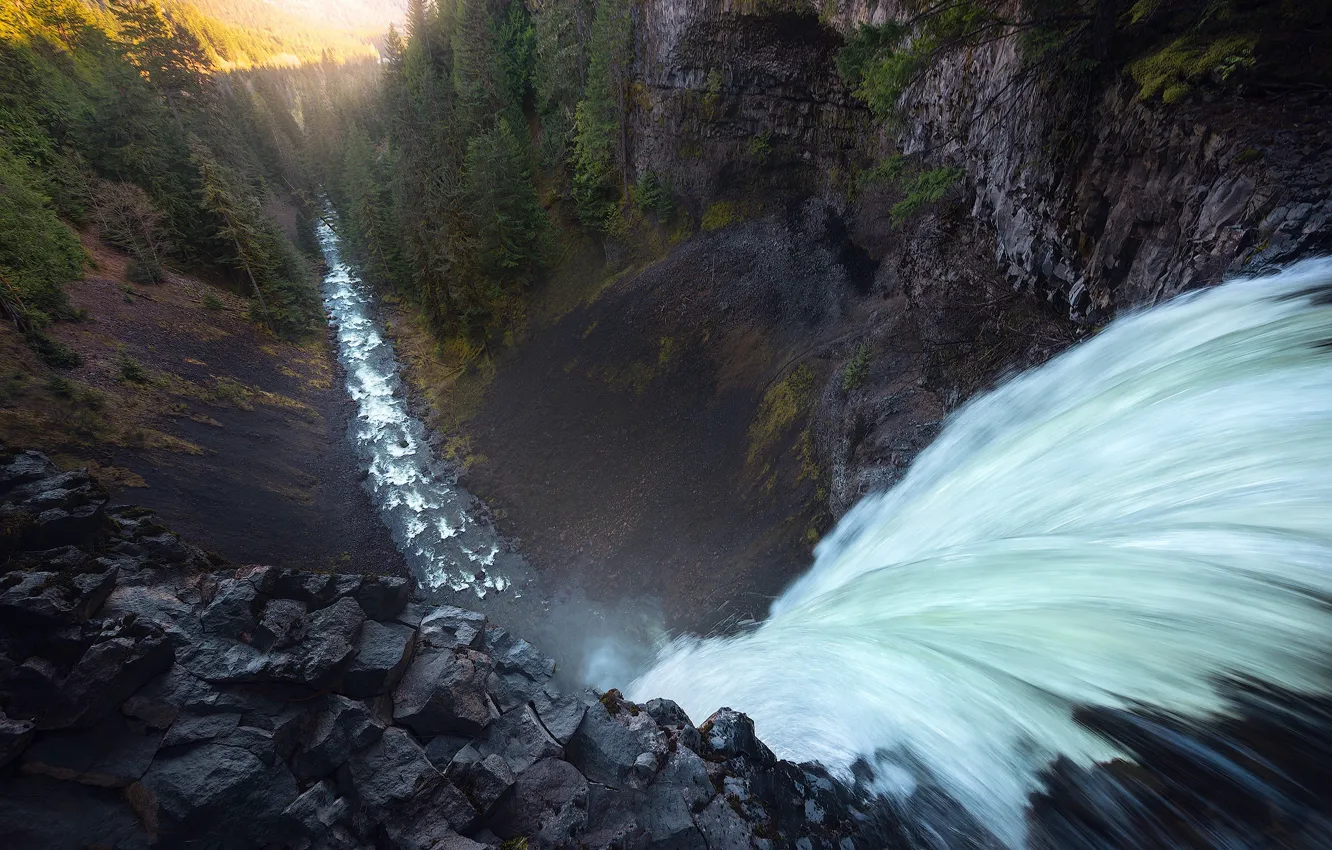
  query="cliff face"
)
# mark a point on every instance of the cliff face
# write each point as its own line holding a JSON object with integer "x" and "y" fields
{"x": 1093, "y": 199}
{"x": 742, "y": 98}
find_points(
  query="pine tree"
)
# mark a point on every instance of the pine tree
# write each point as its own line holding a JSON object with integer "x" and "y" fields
{"x": 601, "y": 144}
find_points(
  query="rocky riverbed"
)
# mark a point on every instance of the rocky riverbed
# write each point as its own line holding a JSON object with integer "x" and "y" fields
{"x": 153, "y": 696}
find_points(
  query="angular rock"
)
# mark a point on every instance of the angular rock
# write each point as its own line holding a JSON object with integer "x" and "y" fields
{"x": 606, "y": 747}
{"x": 197, "y": 728}
{"x": 687, "y": 775}
{"x": 383, "y": 651}
{"x": 722, "y": 828}
{"x": 521, "y": 739}
{"x": 111, "y": 755}
{"x": 232, "y": 611}
{"x": 563, "y": 717}
{"x": 278, "y": 623}
{"x": 338, "y": 728}
{"x": 212, "y": 796}
{"x": 25, "y": 467}
{"x": 383, "y": 597}
{"x": 729, "y": 734}
{"x": 108, "y": 673}
{"x": 313, "y": 813}
{"x": 666, "y": 819}
{"x": 388, "y": 772}
{"x": 47, "y": 600}
{"x": 453, "y": 628}
{"x": 442, "y": 749}
{"x": 443, "y": 692}
{"x": 431, "y": 819}
{"x": 15, "y": 735}
{"x": 548, "y": 805}
{"x": 486, "y": 781}
{"x": 160, "y": 701}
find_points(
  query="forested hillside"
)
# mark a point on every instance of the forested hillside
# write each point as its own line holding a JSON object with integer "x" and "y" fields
{"x": 121, "y": 122}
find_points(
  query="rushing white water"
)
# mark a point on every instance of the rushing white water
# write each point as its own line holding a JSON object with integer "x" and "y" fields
{"x": 1122, "y": 528}
{"x": 418, "y": 499}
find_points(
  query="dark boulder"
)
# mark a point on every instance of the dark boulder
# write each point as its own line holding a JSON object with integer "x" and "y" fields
{"x": 728, "y": 734}
{"x": 15, "y": 735}
{"x": 199, "y": 728}
{"x": 383, "y": 597}
{"x": 278, "y": 624}
{"x": 624, "y": 748}
{"x": 383, "y": 651}
{"x": 232, "y": 611}
{"x": 314, "y": 813}
{"x": 548, "y": 806}
{"x": 334, "y": 731}
{"x": 521, "y": 739}
{"x": 46, "y": 814}
{"x": 212, "y": 795}
{"x": 453, "y": 628}
{"x": 444, "y": 692}
{"x": 122, "y": 660}
{"x": 37, "y": 600}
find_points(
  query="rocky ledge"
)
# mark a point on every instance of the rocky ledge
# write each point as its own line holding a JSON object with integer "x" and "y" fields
{"x": 152, "y": 696}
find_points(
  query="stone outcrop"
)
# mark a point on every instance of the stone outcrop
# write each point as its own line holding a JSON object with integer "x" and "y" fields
{"x": 1088, "y": 197}
{"x": 154, "y": 698}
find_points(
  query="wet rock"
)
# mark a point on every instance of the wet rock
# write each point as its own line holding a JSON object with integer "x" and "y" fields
{"x": 231, "y": 613}
{"x": 729, "y": 734}
{"x": 383, "y": 651}
{"x": 606, "y": 747}
{"x": 687, "y": 776}
{"x": 278, "y": 625}
{"x": 212, "y": 796}
{"x": 722, "y": 828}
{"x": 444, "y": 692}
{"x": 521, "y": 739}
{"x": 563, "y": 717}
{"x": 548, "y": 805}
{"x": 666, "y": 820}
{"x": 15, "y": 735}
{"x": 453, "y": 628}
{"x": 333, "y": 732}
{"x": 383, "y": 597}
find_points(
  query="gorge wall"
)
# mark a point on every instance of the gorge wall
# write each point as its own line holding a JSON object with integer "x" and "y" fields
{"x": 1090, "y": 196}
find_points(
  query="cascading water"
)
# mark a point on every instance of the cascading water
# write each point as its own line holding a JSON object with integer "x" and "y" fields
{"x": 1127, "y": 528}
{"x": 419, "y": 500}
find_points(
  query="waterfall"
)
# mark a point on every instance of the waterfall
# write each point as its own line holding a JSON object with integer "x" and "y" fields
{"x": 1129, "y": 527}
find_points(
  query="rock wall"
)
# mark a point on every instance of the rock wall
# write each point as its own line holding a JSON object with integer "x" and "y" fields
{"x": 1094, "y": 200}
{"x": 742, "y": 99}
{"x": 150, "y": 697}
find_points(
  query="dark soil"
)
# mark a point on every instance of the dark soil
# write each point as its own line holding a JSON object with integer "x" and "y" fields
{"x": 618, "y": 439}
{"x": 236, "y": 438}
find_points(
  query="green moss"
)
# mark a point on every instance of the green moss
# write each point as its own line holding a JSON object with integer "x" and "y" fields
{"x": 782, "y": 405}
{"x": 856, "y": 371}
{"x": 760, "y": 146}
{"x": 1172, "y": 72}
{"x": 720, "y": 214}
{"x": 926, "y": 188}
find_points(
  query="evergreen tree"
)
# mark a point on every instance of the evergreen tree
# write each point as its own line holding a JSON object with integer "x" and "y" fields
{"x": 601, "y": 146}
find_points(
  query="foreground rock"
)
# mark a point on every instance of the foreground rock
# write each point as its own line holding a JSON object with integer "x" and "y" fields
{"x": 150, "y": 697}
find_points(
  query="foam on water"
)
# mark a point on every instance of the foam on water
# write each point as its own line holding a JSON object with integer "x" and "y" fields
{"x": 418, "y": 498}
{"x": 1123, "y": 528}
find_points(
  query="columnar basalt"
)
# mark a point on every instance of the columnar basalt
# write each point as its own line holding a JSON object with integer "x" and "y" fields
{"x": 153, "y": 697}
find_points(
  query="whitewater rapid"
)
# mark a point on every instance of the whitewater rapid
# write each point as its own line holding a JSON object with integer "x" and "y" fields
{"x": 1134, "y": 523}
{"x": 427, "y": 513}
